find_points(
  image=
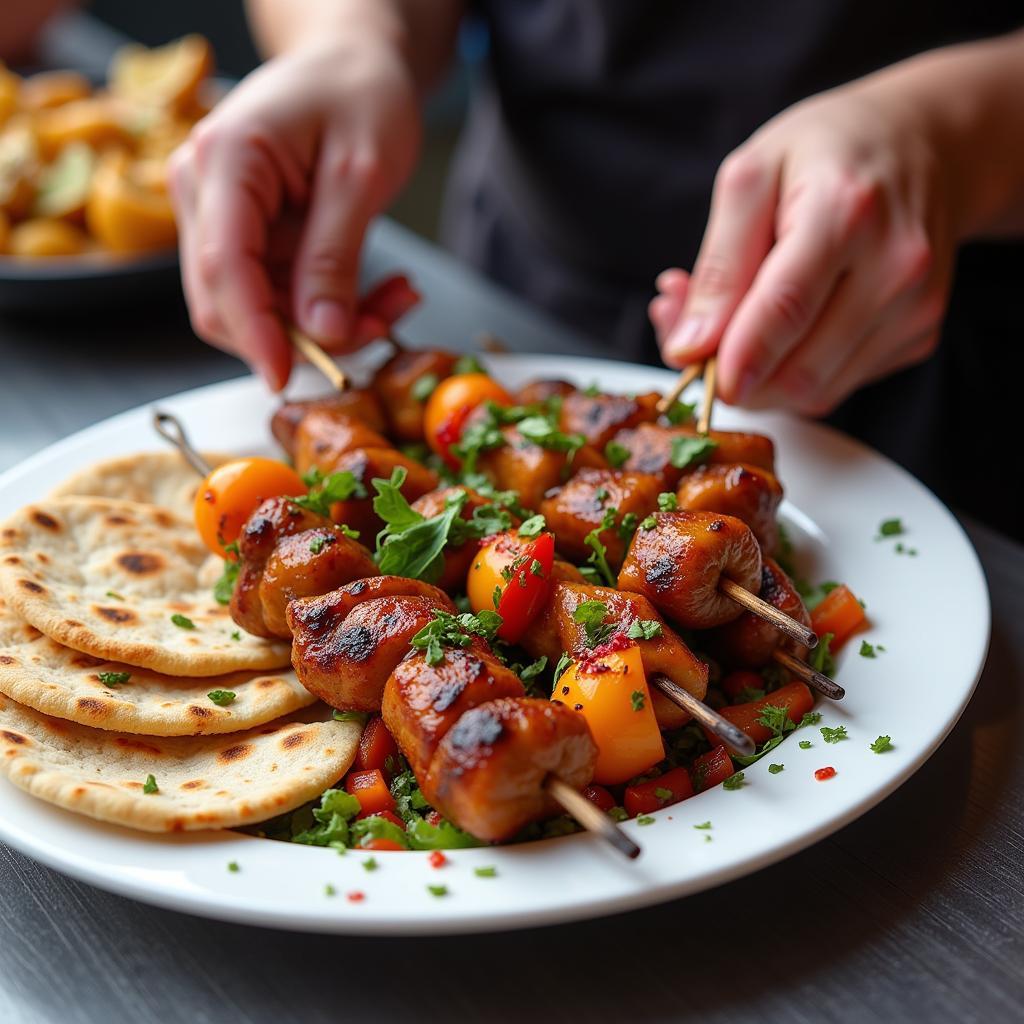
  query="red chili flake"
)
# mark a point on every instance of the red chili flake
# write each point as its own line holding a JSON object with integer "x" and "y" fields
{"x": 825, "y": 773}
{"x": 356, "y": 896}
{"x": 437, "y": 859}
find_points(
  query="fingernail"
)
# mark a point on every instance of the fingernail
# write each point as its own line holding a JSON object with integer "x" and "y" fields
{"x": 328, "y": 320}
{"x": 683, "y": 341}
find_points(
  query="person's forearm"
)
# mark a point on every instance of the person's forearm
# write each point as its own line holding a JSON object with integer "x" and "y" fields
{"x": 424, "y": 30}
{"x": 970, "y": 99}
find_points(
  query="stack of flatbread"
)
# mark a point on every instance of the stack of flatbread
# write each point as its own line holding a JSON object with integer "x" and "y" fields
{"x": 111, "y": 645}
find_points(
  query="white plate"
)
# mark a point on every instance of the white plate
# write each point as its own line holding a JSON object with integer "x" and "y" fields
{"x": 930, "y": 612}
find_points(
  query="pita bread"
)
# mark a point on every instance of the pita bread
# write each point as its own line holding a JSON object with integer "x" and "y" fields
{"x": 204, "y": 783}
{"x": 124, "y": 582}
{"x": 153, "y": 478}
{"x": 44, "y": 675}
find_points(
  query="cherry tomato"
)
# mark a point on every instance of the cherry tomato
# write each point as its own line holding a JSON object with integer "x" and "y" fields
{"x": 381, "y": 844}
{"x": 517, "y": 568}
{"x": 231, "y": 493}
{"x": 449, "y": 407}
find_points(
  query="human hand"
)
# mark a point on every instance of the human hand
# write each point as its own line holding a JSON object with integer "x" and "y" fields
{"x": 275, "y": 188}
{"x": 827, "y": 257}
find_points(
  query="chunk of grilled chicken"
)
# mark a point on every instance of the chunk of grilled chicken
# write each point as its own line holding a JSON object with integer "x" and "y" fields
{"x": 539, "y": 391}
{"x": 749, "y": 641}
{"x": 650, "y": 449}
{"x": 394, "y": 382}
{"x": 555, "y": 631}
{"x": 422, "y": 701}
{"x": 746, "y": 492}
{"x": 325, "y": 436}
{"x": 578, "y": 506}
{"x": 600, "y": 417}
{"x": 678, "y": 565}
{"x": 347, "y": 642}
{"x": 489, "y": 771}
{"x": 365, "y": 464}
{"x": 273, "y": 521}
{"x": 356, "y": 402}
{"x": 531, "y": 471}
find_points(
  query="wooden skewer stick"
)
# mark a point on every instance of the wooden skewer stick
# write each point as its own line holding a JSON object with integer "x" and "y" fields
{"x": 686, "y": 378}
{"x": 780, "y": 620}
{"x": 708, "y": 717}
{"x": 710, "y": 368}
{"x": 170, "y": 429}
{"x": 318, "y": 357}
{"x": 812, "y": 677}
{"x": 590, "y": 816}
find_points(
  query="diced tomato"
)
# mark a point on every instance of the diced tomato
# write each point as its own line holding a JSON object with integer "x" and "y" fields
{"x": 381, "y": 844}
{"x": 517, "y": 568}
{"x": 437, "y": 859}
{"x": 372, "y": 792}
{"x": 355, "y": 896}
{"x": 600, "y": 796}
{"x": 823, "y": 774}
{"x": 710, "y": 769}
{"x": 840, "y": 614}
{"x": 651, "y": 795}
{"x": 389, "y": 816}
{"x": 450, "y": 405}
{"x": 434, "y": 818}
{"x": 377, "y": 748}
{"x": 795, "y": 697}
{"x": 736, "y": 683}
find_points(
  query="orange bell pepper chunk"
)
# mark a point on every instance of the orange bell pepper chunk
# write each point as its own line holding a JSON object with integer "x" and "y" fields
{"x": 372, "y": 792}
{"x": 795, "y": 697}
{"x": 710, "y": 769}
{"x": 840, "y": 614}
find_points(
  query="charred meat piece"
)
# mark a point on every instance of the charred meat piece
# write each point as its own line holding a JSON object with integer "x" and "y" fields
{"x": 324, "y": 436}
{"x": 600, "y": 417}
{"x": 746, "y": 492}
{"x": 540, "y": 391}
{"x": 356, "y": 402}
{"x": 422, "y": 701}
{"x": 677, "y": 566}
{"x": 396, "y": 381}
{"x": 489, "y": 771}
{"x": 578, "y": 506}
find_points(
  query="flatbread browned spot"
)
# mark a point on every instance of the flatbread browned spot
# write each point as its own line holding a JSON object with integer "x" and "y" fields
{"x": 162, "y": 518}
{"x": 234, "y": 753}
{"x": 32, "y": 587}
{"x": 45, "y": 521}
{"x": 72, "y": 624}
{"x": 118, "y": 615}
{"x": 14, "y": 737}
{"x": 42, "y": 557}
{"x": 92, "y": 705}
{"x": 141, "y": 563}
{"x": 264, "y": 684}
{"x": 117, "y": 520}
{"x": 199, "y": 712}
{"x": 9, "y": 533}
{"x": 133, "y": 744}
{"x": 6, "y": 659}
{"x": 294, "y": 739}
{"x": 194, "y": 784}
{"x": 12, "y": 560}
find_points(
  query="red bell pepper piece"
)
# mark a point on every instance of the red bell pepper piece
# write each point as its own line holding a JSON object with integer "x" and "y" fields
{"x": 651, "y": 795}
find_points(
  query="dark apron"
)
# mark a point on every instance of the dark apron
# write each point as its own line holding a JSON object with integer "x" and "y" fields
{"x": 587, "y": 165}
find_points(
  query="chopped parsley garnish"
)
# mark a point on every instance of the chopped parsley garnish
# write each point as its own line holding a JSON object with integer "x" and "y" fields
{"x": 544, "y": 431}
{"x": 329, "y": 890}
{"x": 689, "y": 451}
{"x": 804, "y": 744}
{"x": 667, "y": 501}
{"x": 775, "y": 768}
{"x": 649, "y": 523}
{"x": 813, "y": 596}
{"x": 235, "y": 635}
{"x": 734, "y": 781}
{"x": 536, "y": 569}
{"x": 531, "y": 671}
{"x": 591, "y": 615}
{"x": 115, "y": 595}
{"x": 810, "y": 718}
{"x": 350, "y": 716}
{"x": 328, "y": 823}
{"x": 597, "y": 563}
{"x": 437, "y": 890}
{"x": 776, "y": 717}
{"x": 113, "y": 678}
{"x": 423, "y": 387}
{"x": 703, "y": 825}
{"x": 627, "y": 526}
{"x": 644, "y": 629}
{"x": 563, "y": 663}
{"x": 821, "y": 657}
{"x": 867, "y": 650}
{"x": 233, "y": 867}
{"x": 222, "y": 698}
{"x": 833, "y": 735}
{"x": 225, "y": 585}
{"x": 890, "y": 528}
{"x": 882, "y": 744}
{"x": 636, "y": 698}
{"x": 468, "y": 364}
{"x": 662, "y": 793}
{"x": 447, "y": 630}
{"x": 149, "y": 787}
{"x": 317, "y": 544}
{"x": 324, "y": 491}
{"x": 182, "y": 621}
{"x": 680, "y": 412}
{"x": 592, "y": 390}
{"x": 370, "y": 864}
{"x": 618, "y": 814}
{"x": 533, "y": 527}
{"x": 645, "y": 819}
{"x": 616, "y": 454}
{"x": 486, "y": 872}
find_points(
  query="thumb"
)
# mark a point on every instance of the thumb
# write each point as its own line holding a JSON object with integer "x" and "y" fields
{"x": 737, "y": 238}
{"x": 327, "y": 262}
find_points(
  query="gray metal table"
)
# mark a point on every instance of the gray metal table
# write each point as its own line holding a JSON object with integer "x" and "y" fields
{"x": 915, "y": 912}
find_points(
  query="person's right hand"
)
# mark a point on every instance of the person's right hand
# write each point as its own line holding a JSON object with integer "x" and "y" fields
{"x": 274, "y": 191}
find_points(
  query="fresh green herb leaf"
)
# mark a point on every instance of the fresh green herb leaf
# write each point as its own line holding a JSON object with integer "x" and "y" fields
{"x": 437, "y": 890}
{"x": 468, "y": 364}
{"x": 486, "y": 872}
{"x": 776, "y": 717}
{"x": 689, "y": 451}
{"x": 423, "y": 387}
{"x": 618, "y": 814}
{"x": 115, "y": 595}
{"x": 890, "y": 528}
{"x": 447, "y": 630}
{"x": 775, "y": 768}
{"x": 627, "y": 526}
{"x": 644, "y": 629}
{"x": 616, "y": 454}
{"x": 833, "y": 735}
{"x": 370, "y": 864}
{"x": 591, "y": 615}
{"x": 350, "y": 716}
{"x": 225, "y": 585}
{"x": 329, "y": 890}
{"x": 734, "y": 781}
{"x": 882, "y": 744}
{"x": 113, "y": 678}
{"x": 636, "y": 698}
{"x": 804, "y": 744}
{"x": 531, "y": 671}
{"x": 680, "y": 412}
{"x": 236, "y": 635}
{"x": 667, "y": 502}
{"x": 318, "y": 543}
{"x": 536, "y": 569}
{"x": 233, "y": 867}
{"x": 821, "y": 657}
{"x": 645, "y": 819}
{"x": 867, "y": 650}
{"x": 649, "y": 523}
{"x": 222, "y": 698}
{"x": 662, "y": 793}
{"x": 563, "y": 663}
{"x": 592, "y": 390}
{"x": 533, "y": 527}
{"x": 598, "y": 560}
{"x": 330, "y": 820}
{"x": 813, "y": 596}
{"x": 704, "y": 825}
{"x": 149, "y": 787}
{"x": 544, "y": 431}
{"x": 326, "y": 490}
{"x": 810, "y": 718}
{"x": 182, "y": 621}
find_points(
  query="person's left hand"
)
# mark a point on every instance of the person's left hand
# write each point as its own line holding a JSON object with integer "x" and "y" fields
{"x": 827, "y": 257}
